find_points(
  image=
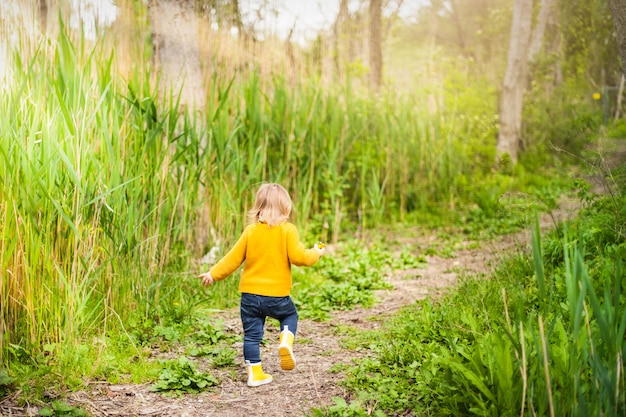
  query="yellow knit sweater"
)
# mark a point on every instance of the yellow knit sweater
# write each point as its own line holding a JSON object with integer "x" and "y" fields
{"x": 268, "y": 253}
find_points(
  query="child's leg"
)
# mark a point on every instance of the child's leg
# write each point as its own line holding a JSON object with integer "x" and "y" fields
{"x": 253, "y": 322}
{"x": 286, "y": 313}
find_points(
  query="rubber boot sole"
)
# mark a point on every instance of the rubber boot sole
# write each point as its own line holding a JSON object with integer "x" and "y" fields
{"x": 287, "y": 360}
{"x": 259, "y": 383}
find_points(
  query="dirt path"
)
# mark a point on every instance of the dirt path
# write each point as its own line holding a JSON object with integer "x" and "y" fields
{"x": 318, "y": 349}
{"x": 313, "y": 383}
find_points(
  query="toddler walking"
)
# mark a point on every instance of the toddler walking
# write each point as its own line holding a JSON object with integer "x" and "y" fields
{"x": 269, "y": 245}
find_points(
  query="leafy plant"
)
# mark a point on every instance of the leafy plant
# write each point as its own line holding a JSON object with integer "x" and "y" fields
{"x": 180, "y": 376}
{"x": 348, "y": 278}
{"x": 5, "y": 382}
{"x": 62, "y": 409}
{"x": 168, "y": 333}
{"x": 220, "y": 357}
{"x": 408, "y": 260}
{"x": 343, "y": 409}
{"x": 208, "y": 333}
{"x": 224, "y": 358}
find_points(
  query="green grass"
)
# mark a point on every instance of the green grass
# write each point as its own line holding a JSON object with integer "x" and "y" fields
{"x": 544, "y": 336}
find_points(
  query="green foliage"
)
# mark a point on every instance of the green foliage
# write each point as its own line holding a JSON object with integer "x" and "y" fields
{"x": 210, "y": 332}
{"x": 114, "y": 359}
{"x": 501, "y": 207}
{"x": 220, "y": 357}
{"x": 407, "y": 260}
{"x": 341, "y": 408}
{"x": 61, "y": 408}
{"x": 6, "y": 382}
{"x": 600, "y": 226}
{"x": 429, "y": 350}
{"x": 589, "y": 41}
{"x": 349, "y": 278}
{"x": 564, "y": 121}
{"x": 616, "y": 129}
{"x": 180, "y": 376}
{"x": 538, "y": 336}
{"x": 169, "y": 311}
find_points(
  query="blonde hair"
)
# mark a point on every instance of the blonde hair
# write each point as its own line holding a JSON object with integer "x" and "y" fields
{"x": 272, "y": 205}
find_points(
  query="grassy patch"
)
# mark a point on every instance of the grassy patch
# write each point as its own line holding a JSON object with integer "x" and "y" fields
{"x": 545, "y": 333}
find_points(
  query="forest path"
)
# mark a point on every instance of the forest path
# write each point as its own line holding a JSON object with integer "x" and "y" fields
{"x": 314, "y": 383}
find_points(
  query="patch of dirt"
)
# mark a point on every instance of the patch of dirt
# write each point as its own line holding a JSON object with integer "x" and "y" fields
{"x": 315, "y": 381}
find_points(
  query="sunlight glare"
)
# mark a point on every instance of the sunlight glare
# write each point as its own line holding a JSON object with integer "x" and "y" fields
{"x": 91, "y": 15}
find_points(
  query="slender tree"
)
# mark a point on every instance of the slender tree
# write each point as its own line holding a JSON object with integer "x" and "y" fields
{"x": 512, "y": 96}
{"x": 236, "y": 17}
{"x": 618, "y": 10}
{"x": 376, "y": 54}
{"x": 176, "y": 50}
{"x": 524, "y": 46}
{"x": 339, "y": 39}
{"x": 43, "y": 15}
{"x": 536, "y": 42}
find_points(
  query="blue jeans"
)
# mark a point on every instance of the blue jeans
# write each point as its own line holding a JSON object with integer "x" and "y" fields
{"x": 254, "y": 309}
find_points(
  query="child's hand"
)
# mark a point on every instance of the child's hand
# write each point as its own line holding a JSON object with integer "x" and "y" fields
{"x": 206, "y": 278}
{"x": 321, "y": 248}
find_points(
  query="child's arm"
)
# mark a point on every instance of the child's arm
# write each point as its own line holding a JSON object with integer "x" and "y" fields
{"x": 228, "y": 264}
{"x": 296, "y": 251}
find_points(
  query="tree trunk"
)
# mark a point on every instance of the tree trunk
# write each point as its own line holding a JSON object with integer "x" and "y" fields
{"x": 536, "y": 41}
{"x": 554, "y": 47}
{"x": 376, "y": 54}
{"x": 43, "y": 15}
{"x": 340, "y": 36}
{"x": 620, "y": 94}
{"x": 177, "y": 52}
{"x": 459, "y": 26}
{"x": 512, "y": 97}
{"x": 618, "y": 10}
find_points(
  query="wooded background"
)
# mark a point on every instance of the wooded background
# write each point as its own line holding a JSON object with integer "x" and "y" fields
{"x": 521, "y": 50}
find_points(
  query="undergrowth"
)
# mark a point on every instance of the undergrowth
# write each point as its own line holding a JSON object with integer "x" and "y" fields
{"x": 178, "y": 317}
{"x": 543, "y": 336}
{"x": 349, "y": 278}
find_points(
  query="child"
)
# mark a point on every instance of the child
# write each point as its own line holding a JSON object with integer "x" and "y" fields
{"x": 269, "y": 246}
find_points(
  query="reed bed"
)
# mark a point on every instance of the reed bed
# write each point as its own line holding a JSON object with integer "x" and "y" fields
{"x": 109, "y": 192}
{"x": 573, "y": 344}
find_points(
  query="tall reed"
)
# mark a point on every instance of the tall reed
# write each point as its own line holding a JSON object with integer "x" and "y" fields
{"x": 583, "y": 344}
{"x": 108, "y": 191}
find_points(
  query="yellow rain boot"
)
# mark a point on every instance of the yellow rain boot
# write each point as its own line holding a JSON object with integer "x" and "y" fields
{"x": 285, "y": 350}
{"x": 256, "y": 376}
